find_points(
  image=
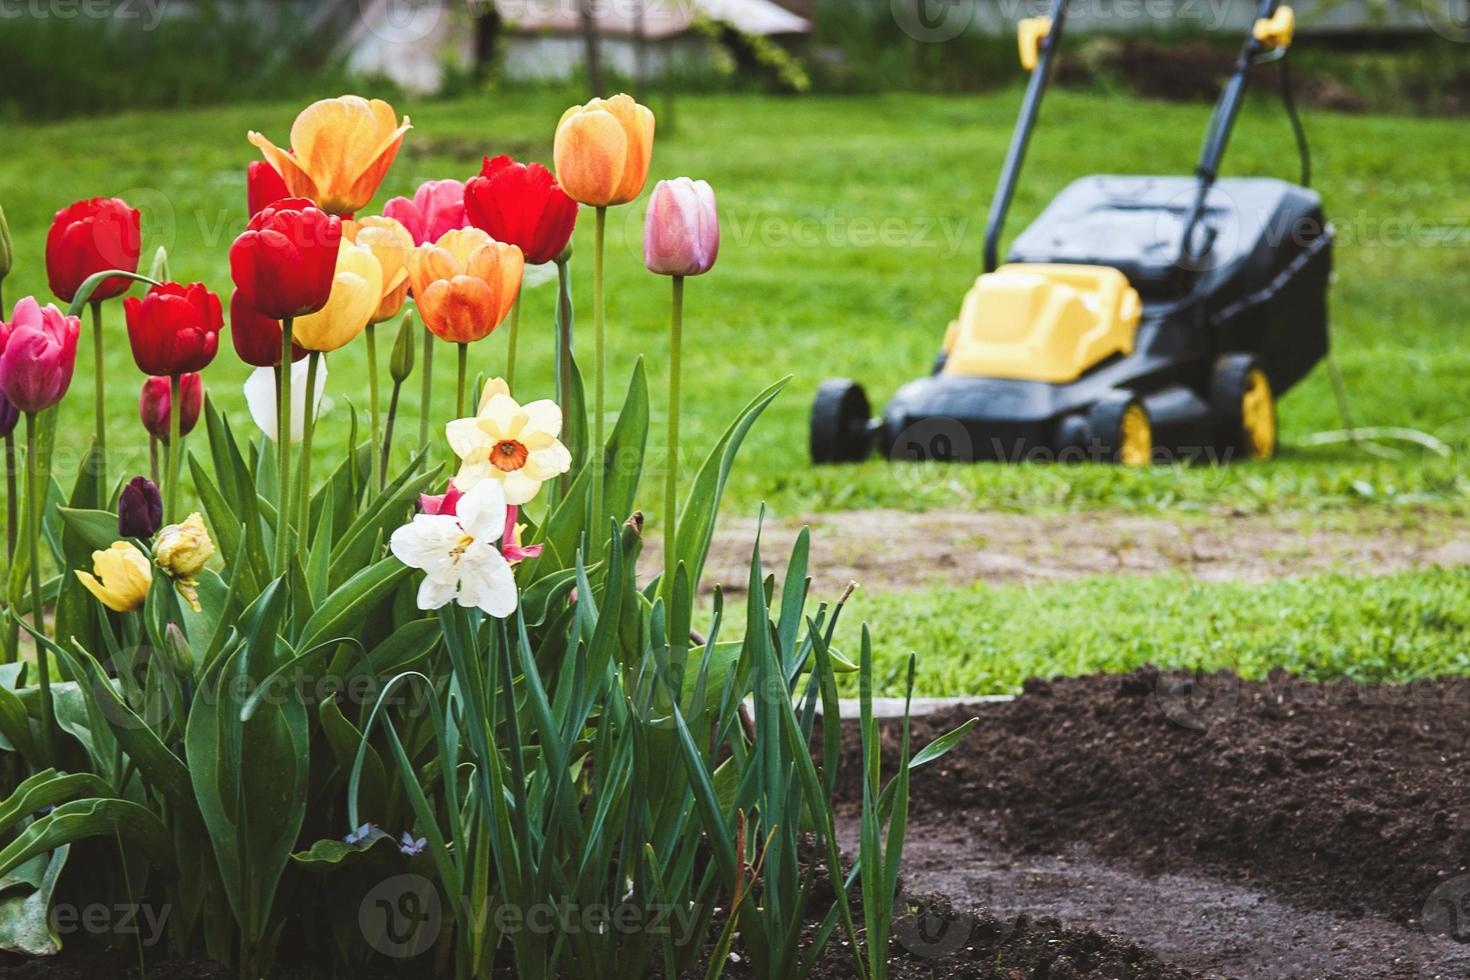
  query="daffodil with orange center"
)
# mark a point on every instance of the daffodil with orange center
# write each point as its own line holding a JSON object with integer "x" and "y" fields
{"x": 515, "y": 445}
{"x": 340, "y": 151}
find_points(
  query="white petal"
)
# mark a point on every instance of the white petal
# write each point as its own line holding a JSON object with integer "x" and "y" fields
{"x": 505, "y": 415}
{"x": 544, "y": 416}
{"x": 489, "y": 584}
{"x": 435, "y": 592}
{"x": 520, "y": 487}
{"x": 471, "y": 475}
{"x": 482, "y": 511}
{"x": 426, "y": 541}
{"x": 260, "y": 396}
{"x": 493, "y": 387}
{"x": 543, "y": 464}
{"x": 465, "y": 436}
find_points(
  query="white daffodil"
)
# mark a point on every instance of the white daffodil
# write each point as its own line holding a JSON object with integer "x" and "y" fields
{"x": 260, "y": 396}
{"x": 458, "y": 553}
{"x": 515, "y": 445}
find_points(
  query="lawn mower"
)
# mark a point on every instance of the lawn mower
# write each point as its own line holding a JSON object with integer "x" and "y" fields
{"x": 1137, "y": 319}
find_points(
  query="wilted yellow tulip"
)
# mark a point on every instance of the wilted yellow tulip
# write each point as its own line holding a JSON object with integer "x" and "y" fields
{"x": 603, "y": 150}
{"x": 357, "y": 289}
{"x": 124, "y": 574}
{"x": 340, "y": 151}
{"x": 182, "y": 550}
{"x": 465, "y": 283}
{"x": 391, "y": 244}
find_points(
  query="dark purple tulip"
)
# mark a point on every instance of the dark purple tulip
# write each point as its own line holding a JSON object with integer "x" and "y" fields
{"x": 9, "y": 415}
{"x": 139, "y": 509}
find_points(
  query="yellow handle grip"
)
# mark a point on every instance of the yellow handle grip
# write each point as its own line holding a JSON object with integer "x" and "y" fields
{"x": 1277, "y": 30}
{"x": 1030, "y": 32}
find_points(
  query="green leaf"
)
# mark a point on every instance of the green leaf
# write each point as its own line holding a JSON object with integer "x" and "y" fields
{"x": 330, "y": 855}
{"x": 97, "y": 529}
{"x": 350, "y": 602}
{"x": 47, "y": 788}
{"x": 25, "y": 919}
{"x": 81, "y": 819}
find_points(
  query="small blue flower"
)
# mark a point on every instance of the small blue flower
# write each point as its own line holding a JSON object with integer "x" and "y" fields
{"x": 412, "y": 847}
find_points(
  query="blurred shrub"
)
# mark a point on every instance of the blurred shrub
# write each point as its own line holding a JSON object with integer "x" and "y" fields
{"x": 64, "y": 60}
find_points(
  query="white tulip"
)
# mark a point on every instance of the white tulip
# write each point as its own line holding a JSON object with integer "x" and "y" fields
{"x": 260, "y": 396}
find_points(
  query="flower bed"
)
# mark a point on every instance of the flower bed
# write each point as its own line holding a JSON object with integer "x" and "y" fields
{"x": 330, "y": 701}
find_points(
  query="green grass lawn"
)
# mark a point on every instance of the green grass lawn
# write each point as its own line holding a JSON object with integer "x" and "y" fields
{"x": 851, "y": 229}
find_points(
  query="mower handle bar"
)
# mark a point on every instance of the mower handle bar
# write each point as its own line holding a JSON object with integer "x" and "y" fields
{"x": 1217, "y": 135}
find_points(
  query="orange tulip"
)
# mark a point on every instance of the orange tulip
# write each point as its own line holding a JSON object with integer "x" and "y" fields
{"x": 340, "y": 151}
{"x": 465, "y": 283}
{"x": 391, "y": 244}
{"x": 603, "y": 150}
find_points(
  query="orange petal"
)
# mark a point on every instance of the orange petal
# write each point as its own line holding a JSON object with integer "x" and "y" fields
{"x": 638, "y": 123}
{"x": 590, "y": 152}
{"x": 298, "y": 181}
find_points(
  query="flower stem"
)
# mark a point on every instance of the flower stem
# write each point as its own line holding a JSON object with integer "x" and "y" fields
{"x": 101, "y": 395}
{"x": 387, "y": 450}
{"x": 153, "y": 458}
{"x": 12, "y": 513}
{"x": 427, "y": 397}
{"x": 515, "y": 331}
{"x": 34, "y": 499}
{"x": 671, "y": 476}
{"x": 372, "y": 353}
{"x": 464, "y": 366}
{"x": 175, "y": 450}
{"x": 563, "y": 360}
{"x": 283, "y": 447}
{"x": 303, "y": 476}
{"x": 599, "y": 451}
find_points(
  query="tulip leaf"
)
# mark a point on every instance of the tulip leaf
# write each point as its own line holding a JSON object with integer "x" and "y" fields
{"x": 25, "y": 919}
{"x": 47, "y": 788}
{"x": 81, "y": 819}
{"x": 351, "y": 601}
{"x": 97, "y": 529}
{"x": 326, "y": 856}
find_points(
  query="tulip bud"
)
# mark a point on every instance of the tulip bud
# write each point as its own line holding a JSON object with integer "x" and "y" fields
{"x": 182, "y": 550}
{"x": 681, "y": 233}
{"x": 400, "y": 366}
{"x": 139, "y": 509}
{"x": 155, "y": 404}
{"x": 158, "y": 271}
{"x": 7, "y": 249}
{"x": 176, "y": 646}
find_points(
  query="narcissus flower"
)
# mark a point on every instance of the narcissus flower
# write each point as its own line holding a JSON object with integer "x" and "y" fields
{"x": 182, "y": 550}
{"x": 263, "y": 186}
{"x": 523, "y": 205}
{"x": 340, "y": 151}
{"x": 510, "y": 444}
{"x": 437, "y": 206}
{"x": 174, "y": 329}
{"x": 681, "y": 233}
{"x": 260, "y": 398}
{"x": 603, "y": 150}
{"x": 120, "y": 577}
{"x": 257, "y": 337}
{"x": 391, "y": 244}
{"x": 155, "y": 404}
{"x": 89, "y": 237}
{"x": 139, "y": 509}
{"x": 465, "y": 284}
{"x": 458, "y": 554}
{"x": 38, "y": 353}
{"x": 357, "y": 289}
{"x": 447, "y": 503}
{"x": 284, "y": 261}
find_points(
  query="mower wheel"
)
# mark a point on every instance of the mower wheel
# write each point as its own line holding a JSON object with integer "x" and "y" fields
{"x": 1244, "y": 408}
{"x": 840, "y": 423}
{"x": 1121, "y": 430}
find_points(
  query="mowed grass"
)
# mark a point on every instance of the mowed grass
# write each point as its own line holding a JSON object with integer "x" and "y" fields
{"x": 851, "y": 230}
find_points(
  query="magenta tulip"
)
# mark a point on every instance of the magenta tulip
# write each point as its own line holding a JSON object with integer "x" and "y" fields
{"x": 437, "y": 207}
{"x": 681, "y": 233}
{"x": 38, "y": 352}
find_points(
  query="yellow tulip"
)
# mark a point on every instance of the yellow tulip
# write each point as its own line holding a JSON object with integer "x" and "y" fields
{"x": 182, "y": 550}
{"x": 603, "y": 150}
{"x": 124, "y": 574}
{"x": 340, "y": 151}
{"x": 357, "y": 289}
{"x": 391, "y": 244}
{"x": 465, "y": 283}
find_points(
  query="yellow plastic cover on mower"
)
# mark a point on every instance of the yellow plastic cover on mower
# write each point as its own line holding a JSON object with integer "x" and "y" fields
{"x": 1042, "y": 322}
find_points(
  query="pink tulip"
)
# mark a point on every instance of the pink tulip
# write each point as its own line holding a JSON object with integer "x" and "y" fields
{"x": 681, "y": 233}
{"x": 437, "y": 207}
{"x": 38, "y": 352}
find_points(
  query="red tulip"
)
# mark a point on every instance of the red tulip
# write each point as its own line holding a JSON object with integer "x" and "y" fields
{"x": 437, "y": 207}
{"x": 89, "y": 237}
{"x": 174, "y": 329}
{"x": 155, "y": 401}
{"x": 523, "y": 205}
{"x": 257, "y": 337}
{"x": 286, "y": 259}
{"x": 263, "y": 186}
{"x": 38, "y": 352}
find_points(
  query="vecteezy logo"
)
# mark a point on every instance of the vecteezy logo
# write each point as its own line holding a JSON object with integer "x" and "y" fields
{"x": 943, "y": 440}
{"x": 1450, "y": 19}
{"x": 1191, "y": 700}
{"x": 401, "y": 916}
{"x": 1447, "y": 912}
{"x": 933, "y": 21}
{"x": 933, "y": 933}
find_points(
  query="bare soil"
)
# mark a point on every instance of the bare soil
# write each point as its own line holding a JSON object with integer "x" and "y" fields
{"x": 887, "y": 549}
